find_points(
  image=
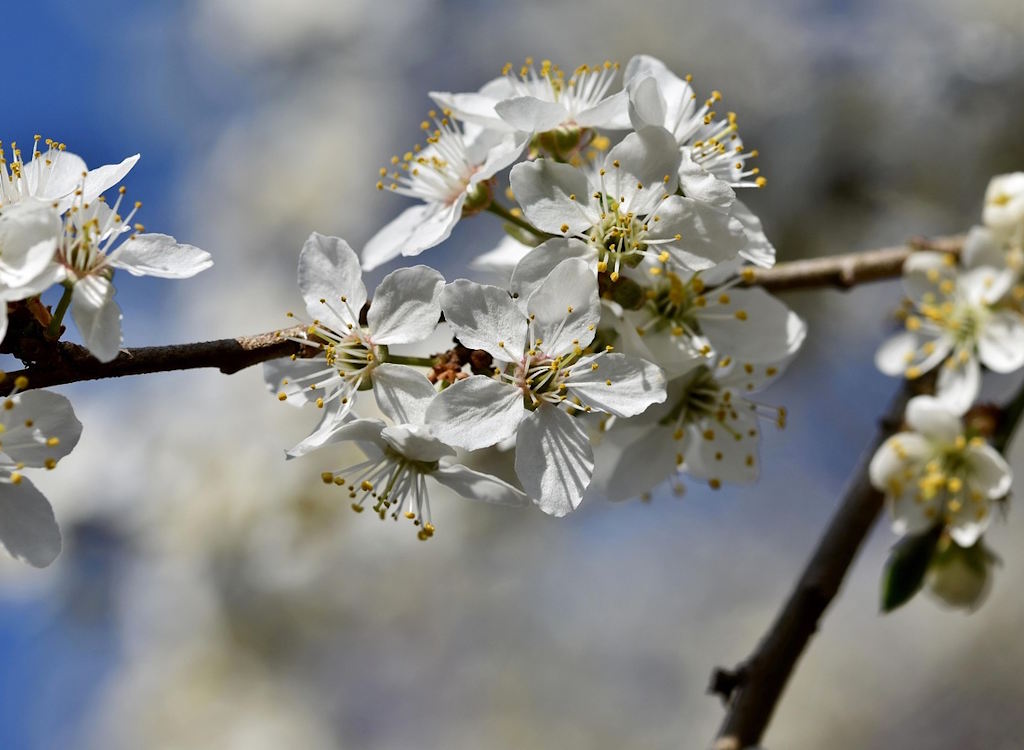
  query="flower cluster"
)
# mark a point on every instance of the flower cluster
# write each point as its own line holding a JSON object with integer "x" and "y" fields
{"x": 57, "y": 228}
{"x": 962, "y": 314}
{"x": 623, "y": 345}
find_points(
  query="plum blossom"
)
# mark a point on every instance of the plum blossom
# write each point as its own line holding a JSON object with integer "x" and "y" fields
{"x": 543, "y": 376}
{"x": 713, "y": 160}
{"x": 56, "y": 176}
{"x": 402, "y": 456}
{"x": 37, "y": 429}
{"x": 93, "y": 245}
{"x": 933, "y": 473}
{"x": 405, "y": 309}
{"x": 531, "y": 101}
{"x": 709, "y": 426}
{"x": 959, "y": 319}
{"x": 1004, "y": 205}
{"x": 29, "y": 236}
{"x": 688, "y": 318}
{"x": 449, "y": 176}
{"x": 627, "y": 210}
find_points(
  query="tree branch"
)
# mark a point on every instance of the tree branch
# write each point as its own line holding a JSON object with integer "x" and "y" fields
{"x": 58, "y": 363}
{"x": 753, "y": 689}
{"x": 848, "y": 270}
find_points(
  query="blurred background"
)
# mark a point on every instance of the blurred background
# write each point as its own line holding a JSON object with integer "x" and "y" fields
{"x": 211, "y": 595}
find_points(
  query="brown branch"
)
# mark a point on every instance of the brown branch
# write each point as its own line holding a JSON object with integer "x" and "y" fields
{"x": 753, "y": 689}
{"x": 58, "y": 363}
{"x": 848, "y": 270}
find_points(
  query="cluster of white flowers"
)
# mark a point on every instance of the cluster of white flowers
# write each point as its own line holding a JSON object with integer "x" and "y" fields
{"x": 56, "y": 228}
{"x": 961, "y": 315}
{"x": 621, "y": 349}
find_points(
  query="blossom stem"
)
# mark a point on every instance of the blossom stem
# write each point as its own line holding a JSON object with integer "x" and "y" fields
{"x": 401, "y": 359}
{"x": 53, "y": 330}
{"x": 499, "y": 210}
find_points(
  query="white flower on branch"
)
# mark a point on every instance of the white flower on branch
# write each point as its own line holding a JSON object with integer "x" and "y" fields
{"x": 449, "y": 176}
{"x": 533, "y": 102}
{"x": 933, "y": 473}
{"x": 627, "y": 210}
{"x": 709, "y": 427}
{"x": 688, "y": 318}
{"x": 92, "y": 245}
{"x": 401, "y": 457}
{"x": 405, "y": 310}
{"x": 1004, "y": 205}
{"x": 37, "y": 429}
{"x": 543, "y": 376}
{"x": 56, "y": 176}
{"x": 959, "y": 318}
{"x": 29, "y": 236}
{"x": 713, "y": 160}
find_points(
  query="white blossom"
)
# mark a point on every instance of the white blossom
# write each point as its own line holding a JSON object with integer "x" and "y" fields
{"x": 402, "y": 456}
{"x": 958, "y": 318}
{"x": 933, "y": 473}
{"x": 92, "y": 245}
{"x": 688, "y": 318}
{"x": 713, "y": 160}
{"x": 627, "y": 210}
{"x": 532, "y": 101}
{"x": 1004, "y": 204}
{"x": 56, "y": 176}
{"x": 709, "y": 426}
{"x": 37, "y": 429}
{"x": 29, "y": 236}
{"x": 405, "y": 309}
{"x": 543, "y": 376}
{"x": 449, "y": 176}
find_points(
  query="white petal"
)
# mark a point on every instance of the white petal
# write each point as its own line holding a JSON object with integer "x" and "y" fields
{"x": 985, "y": 285}
{"x": 959, "y": 383}
{"x": 539, "y": 262}
{"x": 646, "y": 104}
{"x": 565, "y": 309}
{"x": 101, "y": 179}
{"x": 503, "y": 258}
{"x": 56, "y": 180}
{"x": 932, "y": 418}
{"x": 97, "y": 316}
{"x": 406, "y": 306}
{"x": 41, "y": 425}
{"x": 981, "y": 249}
{"x": 612, "y": 112}
{"x": 639, "y": 462}
{"x": 485, "y": 317}
{"x": 699, "y": 184}
{"x": 909, "y": 515}
{"x": 1001, "y": 345}
{"x": 989, "y": 472}
{"x": 476, "y": 412}
{"x": 416, "y": 441}
{"x": 895, "y": 455}
{"x": 403, "y": 393}
{"x": 767, "y": 330}
{"x": 416, "y": 229}
{"x": 478, "y": 107}
{"x": 900, "y": 350}
{"x": 530, "y": 114}
{"x": 543, "y": 189}
{"x": 28, "y": 237}
{"x": 493, "y": 152}
{"x": 758, "y": 250}
{"x": 673, "y": 88}
{"x": 328, "y": 271}
{"x": 621, "y": 385}
{"x": 329, "y": 429}
{"x": 554, "y": 460}
{"x": 28, "y": 529}
{"x": 160, "y": 255}
{"x": 475, "y": 485}
{"x": 924, "y": 271}
{"x": 648, "y": 165}
{"x": 707, "y": 235}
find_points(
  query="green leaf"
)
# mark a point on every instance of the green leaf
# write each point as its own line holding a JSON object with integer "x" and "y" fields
{"x": 906, "y": 567}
